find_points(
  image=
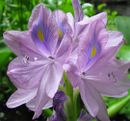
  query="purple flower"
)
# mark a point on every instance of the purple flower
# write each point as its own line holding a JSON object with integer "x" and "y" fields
{"x": 58, "y": 105}
{"x": 96, "y": 71}
{"x": 84, "y": 116}
{"x": 58, "y": 101}
{"x": 38, "y": 68}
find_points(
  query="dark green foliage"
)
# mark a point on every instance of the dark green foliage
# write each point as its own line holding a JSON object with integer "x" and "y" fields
{"x": 123, "y": 25}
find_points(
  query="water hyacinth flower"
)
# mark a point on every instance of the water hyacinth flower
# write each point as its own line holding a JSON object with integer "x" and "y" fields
{"x": 44, "y": 50}
{"x": 38, "y": 68}
{"x": 96, "y": 71}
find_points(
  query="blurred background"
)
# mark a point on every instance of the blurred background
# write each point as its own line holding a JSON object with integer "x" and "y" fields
{"x": 14, "y": 15}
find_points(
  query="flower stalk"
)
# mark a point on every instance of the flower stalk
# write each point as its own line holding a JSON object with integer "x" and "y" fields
{"x": 117, "y": 106}
{"x": 73, "y": 102}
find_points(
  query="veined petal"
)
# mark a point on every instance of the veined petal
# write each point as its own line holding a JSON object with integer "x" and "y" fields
{"x": 43, "y": 105}
{"x": 121, "y": 69}
{"x": 31, "y": 105}
{"x": 93, "y": 101}
{"x": 105, "y": 55}
{"x": 35, "y": 13}
{"x": 47, "y": 87}
{"x": 70, "y": 20}
{"x": 113, "y": 90}
{"x": 64, "y": 49}
{"x": 21, "y": 96}
{"x": 120, "y": 86}
{"x": 105, "y": 59}
{"x": 89, "y": 97}
{"x": 102, "y": 114}
{"x": 63, "y": 25}
{"x": 41, "y": 99}
{"x": 72, "y": 75}
{"x": 21, "y": 43}
{"x": 96, "y": 31}
{"x": 101, "y": 17}
{"x": 115, "y": 39}
{"x": 82, "y": 27}
{"x": 111, "y": 80}
{"x": 45, "y": 32}
{"x": 105, "y": 75}
{"x": 54, "y": 78}
{"x": 77, "y": 10}
{"x": 26, "y": 74}
{"x": 92, "y": 46}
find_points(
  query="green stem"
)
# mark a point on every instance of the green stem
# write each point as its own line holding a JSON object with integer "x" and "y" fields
{"x": 115, "y": 108}
{"x": 72, "y": 106}
{"x": 47, "y": 112}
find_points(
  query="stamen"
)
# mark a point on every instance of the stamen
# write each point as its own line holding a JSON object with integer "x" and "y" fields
{"x": 26, "y": 59}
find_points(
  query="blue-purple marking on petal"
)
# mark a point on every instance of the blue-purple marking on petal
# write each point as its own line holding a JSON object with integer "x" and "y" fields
{"x": 40, "y": 33}
{"x": 92, "y": 51}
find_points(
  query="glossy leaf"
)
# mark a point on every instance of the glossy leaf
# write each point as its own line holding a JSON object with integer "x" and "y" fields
{"x": 117, "y": 106}
{"x": 124, "y": 53}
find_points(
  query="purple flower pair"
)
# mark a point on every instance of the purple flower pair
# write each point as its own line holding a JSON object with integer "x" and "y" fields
{"x": 56, "y": 42}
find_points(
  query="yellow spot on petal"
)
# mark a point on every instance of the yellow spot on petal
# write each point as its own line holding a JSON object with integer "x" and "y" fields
{"x": 60, "y": 33}
{"x": 40, "y": 35}
{"x": 93, "y": 52}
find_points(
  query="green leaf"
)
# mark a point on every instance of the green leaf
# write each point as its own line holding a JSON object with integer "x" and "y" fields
{"x": 124, "y": 53}
{"x": 4, "y": 56}
{"x": 88, "y": 9}
{"x": 73, "y": 101}
{"x": 123, "y": 25}
{"x": 13, "y": 5}
{"x": 68, "y": 87}
{"x": 47, "y": 112}
{"x": 117, "y": 106}
{"x": 66, "y": 8}
{"x": 76, "y": 102}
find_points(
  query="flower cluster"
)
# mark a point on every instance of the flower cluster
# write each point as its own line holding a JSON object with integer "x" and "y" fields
{"x": 56, "y": 42}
